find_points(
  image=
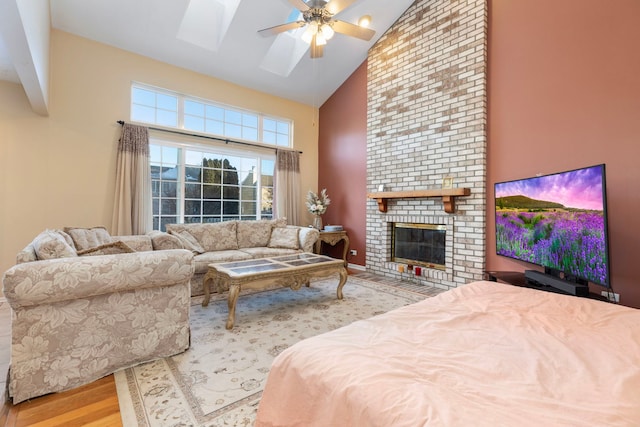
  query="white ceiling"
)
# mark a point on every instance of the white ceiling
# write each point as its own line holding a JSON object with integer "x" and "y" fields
{"x": 191, "y": 34}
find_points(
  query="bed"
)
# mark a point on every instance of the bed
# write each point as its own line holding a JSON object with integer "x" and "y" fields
{"x": 483, "y": 354}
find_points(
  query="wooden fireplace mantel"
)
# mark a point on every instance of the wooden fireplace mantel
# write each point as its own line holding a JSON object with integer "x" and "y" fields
{"x": 448, "y": 196}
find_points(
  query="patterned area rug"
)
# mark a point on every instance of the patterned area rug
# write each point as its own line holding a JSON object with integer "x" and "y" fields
{"x": 219, "y": 380}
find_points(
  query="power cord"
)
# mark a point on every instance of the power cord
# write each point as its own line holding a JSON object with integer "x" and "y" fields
{"x": 611, "y": 295}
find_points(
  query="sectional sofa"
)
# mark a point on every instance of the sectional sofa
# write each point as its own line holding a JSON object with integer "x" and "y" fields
{"x": 82, "y": 312}
{"x": 233, "y": 241}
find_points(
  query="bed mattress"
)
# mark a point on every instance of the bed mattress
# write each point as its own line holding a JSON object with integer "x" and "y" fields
{"x": 483, "y": 354}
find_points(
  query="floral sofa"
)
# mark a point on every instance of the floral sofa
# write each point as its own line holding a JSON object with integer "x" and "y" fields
{"x": 85, "y": 304}
{"x": 233, "y": 241}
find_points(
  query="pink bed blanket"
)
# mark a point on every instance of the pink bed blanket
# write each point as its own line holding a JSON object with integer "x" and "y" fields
{"x": 483, "y": 354}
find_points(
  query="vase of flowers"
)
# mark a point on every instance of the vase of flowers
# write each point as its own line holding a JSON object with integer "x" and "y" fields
{"x": 317, "y": 206}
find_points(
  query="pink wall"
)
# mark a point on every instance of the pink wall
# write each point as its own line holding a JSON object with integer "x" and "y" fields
{"x": 342, "y": 158}
{"x": 564, "y": 92}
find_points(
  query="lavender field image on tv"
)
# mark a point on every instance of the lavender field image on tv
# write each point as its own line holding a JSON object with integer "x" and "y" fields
{"x": 556, "y": 221}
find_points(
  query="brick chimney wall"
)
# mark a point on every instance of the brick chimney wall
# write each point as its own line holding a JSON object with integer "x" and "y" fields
{"x": 426, "y": 120}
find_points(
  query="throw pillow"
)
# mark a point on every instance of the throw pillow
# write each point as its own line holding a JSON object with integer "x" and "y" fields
{"x": 111, "y": 248}
{"x": 50, "y": 245}
{"x": 188, "y": 241}
{"x": 87, "y": 238}
{"x": 67, "y": 238}
{"x": 285, "y": 238}
{"x": 161, "y": 240}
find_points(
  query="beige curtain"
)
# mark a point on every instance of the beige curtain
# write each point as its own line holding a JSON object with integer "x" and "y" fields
{"x": 287, "y": 186}
{"x": 132, "y": 208}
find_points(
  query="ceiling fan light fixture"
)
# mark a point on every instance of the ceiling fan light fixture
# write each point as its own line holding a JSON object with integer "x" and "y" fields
{"x": 309, "y": 32}
{"x": 318, "y": 16}
{"x": 320, "y": 39}
{"x": 327, "y": 31}
{"x": 365, "y": 21}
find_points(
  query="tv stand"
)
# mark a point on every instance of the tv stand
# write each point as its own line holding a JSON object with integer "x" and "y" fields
{"x": 517, "y": 278}
{"x": 547, "y": 279}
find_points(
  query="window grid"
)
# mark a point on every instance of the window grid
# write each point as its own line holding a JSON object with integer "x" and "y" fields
{"x": 210, "y": 185}
{"x": 154, "y": 107}
{"x": 166, "y": 194}
{"x": 165, "y": 108}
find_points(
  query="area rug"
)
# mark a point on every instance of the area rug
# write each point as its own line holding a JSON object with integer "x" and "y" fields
{"x": 219, "y": 380}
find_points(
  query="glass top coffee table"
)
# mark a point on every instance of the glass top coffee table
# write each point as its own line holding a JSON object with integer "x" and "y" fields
{"x": 290, "y": 271}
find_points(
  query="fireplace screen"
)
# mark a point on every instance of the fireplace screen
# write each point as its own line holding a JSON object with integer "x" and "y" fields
{"x": 419, "y": 244}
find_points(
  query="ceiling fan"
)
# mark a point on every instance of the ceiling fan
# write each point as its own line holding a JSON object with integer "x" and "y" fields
{"x": 318, "y": 16}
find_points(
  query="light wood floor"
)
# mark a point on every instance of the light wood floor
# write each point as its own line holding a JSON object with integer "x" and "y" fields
{"x": 96, "y": 404}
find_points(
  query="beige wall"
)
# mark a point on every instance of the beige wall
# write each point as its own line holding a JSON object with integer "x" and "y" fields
{"x": 59, "y": 170}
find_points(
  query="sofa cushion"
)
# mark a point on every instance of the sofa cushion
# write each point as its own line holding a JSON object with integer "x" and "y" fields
{"x": 286, "y": 238}
{"x": 112, "y": 248}
{"x": 50, "y": 245}
{"x": 253, "y": 234}
{"x": 280, "y": 222}
{"x": 203, "y": 260}
{"x": 86, "y": 238}
{"x": 217, "y": 236}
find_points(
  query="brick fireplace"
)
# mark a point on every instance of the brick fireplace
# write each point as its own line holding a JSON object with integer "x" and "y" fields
{"x": 426, "y": 120}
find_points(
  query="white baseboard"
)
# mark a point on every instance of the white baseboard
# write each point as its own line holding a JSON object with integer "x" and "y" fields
{"x": 357, "y": 267}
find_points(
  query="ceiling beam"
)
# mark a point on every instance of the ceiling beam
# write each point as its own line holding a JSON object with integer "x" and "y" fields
{"x": 25, "y": 28}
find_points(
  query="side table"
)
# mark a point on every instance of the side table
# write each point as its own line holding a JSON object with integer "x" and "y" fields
{"x": 332, "y": 238}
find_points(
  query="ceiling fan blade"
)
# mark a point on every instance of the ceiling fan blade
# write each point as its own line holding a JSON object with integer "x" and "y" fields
{"x": 271, "y": 31}
{"x": 316, "y": 49}
{"x": 336, "y": 6}
{"x": 353, "y": 30}
{"x": 299, "y": 4}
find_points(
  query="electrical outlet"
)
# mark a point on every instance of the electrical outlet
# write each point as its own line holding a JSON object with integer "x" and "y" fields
{"x": 611, "y": 296}
{"x": 353, "y": 252}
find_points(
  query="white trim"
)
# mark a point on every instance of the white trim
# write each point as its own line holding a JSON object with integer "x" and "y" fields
{"x": 357, "y": 267}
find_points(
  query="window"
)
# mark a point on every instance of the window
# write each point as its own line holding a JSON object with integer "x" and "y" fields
{"x": 169, "y": 109}
{"x": 154, "y": 107}
{"x": 198, "y": 183}
{"x": 275, "y": 132}
{"x": 204, "y": 184}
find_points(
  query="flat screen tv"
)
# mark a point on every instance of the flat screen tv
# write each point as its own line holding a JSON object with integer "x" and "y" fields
{"x": 557, "y": 221}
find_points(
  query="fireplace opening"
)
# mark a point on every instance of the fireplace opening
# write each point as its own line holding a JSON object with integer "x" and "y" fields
{"x": 419, "y": 244}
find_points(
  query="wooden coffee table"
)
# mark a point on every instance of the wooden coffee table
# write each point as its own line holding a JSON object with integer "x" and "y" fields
{"x": 290, "y": 271}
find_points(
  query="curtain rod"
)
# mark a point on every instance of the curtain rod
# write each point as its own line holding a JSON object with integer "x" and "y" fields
{"x": 226, "y": 141}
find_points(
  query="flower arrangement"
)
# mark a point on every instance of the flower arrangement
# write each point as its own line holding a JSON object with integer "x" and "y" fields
{"x": 317, "y": 204}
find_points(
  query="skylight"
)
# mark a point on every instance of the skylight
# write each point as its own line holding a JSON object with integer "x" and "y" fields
{"x": 205, "y": 22}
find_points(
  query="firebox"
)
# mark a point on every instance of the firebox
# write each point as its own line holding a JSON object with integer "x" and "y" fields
{"x": 419, "y": 244}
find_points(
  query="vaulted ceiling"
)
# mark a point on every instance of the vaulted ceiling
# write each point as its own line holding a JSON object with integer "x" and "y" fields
{"x": 218, "y": 38}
